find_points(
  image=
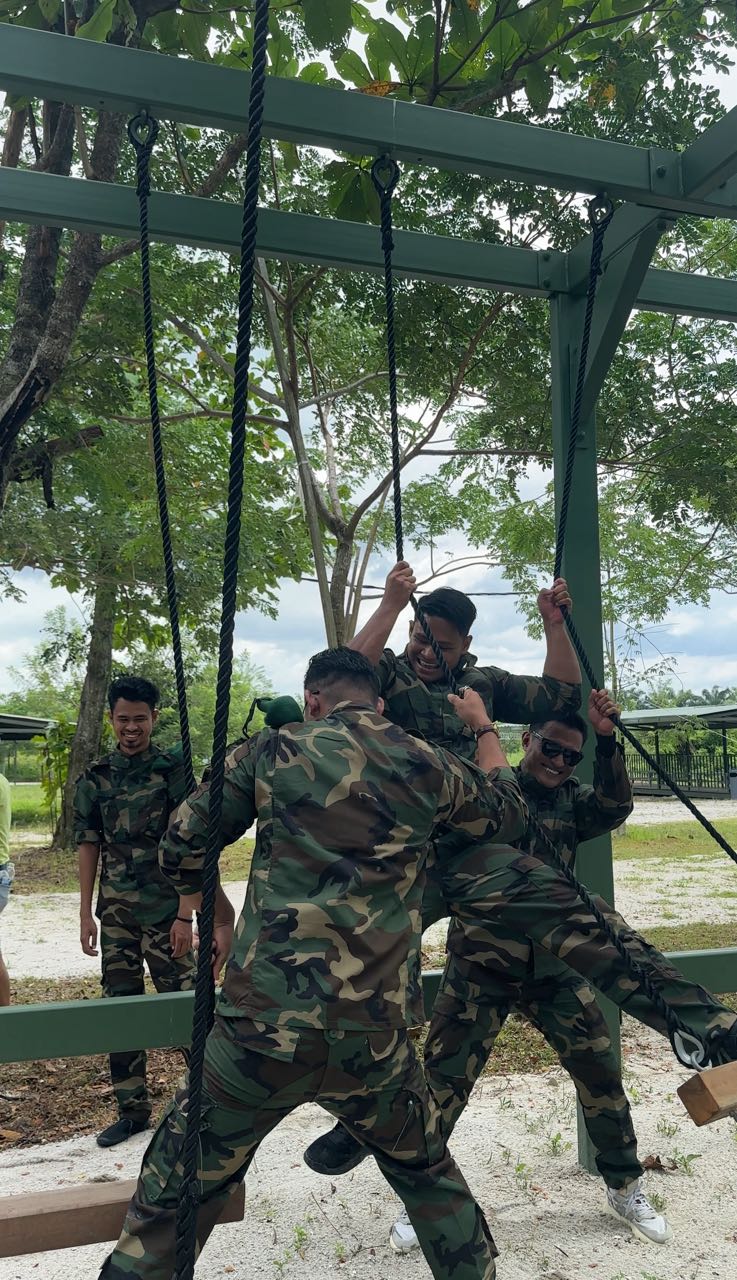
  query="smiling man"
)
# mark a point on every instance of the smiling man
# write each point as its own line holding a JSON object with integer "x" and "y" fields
{"x": 122, "y": 806}
{"x": 475, "y": 1000}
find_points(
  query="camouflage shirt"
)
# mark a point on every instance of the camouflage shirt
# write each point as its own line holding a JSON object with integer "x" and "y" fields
{"x": 124, "y": 803}
{"x": 329, "y": 933}
{"x": 574, "y": 811}
{"x": 569, "y": 814}
{"x": 424, "y": 708}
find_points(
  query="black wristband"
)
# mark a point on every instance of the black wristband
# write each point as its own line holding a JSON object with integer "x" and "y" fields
{"x": 184, "y": 919}
{"x": 606, "y": 744}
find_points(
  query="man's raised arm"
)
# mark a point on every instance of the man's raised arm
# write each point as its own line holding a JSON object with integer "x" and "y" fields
{"x": 371, "y": 639}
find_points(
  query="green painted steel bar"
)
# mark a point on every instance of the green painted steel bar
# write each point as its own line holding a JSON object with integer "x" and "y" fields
{"x": 82, "y": 205}
{"x": 45, "y": 64}
{"x": 77, "y": 203}
{"x": 581, "y": 568}
{"x": 76, "y": 1028}
{"x": 711, "y": 160}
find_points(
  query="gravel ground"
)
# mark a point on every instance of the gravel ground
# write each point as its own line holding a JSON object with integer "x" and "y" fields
{"x": 547, "y": 1215}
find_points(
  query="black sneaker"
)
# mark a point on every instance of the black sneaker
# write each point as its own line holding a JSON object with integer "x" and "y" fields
{"x": 121, "y": 1131}
{"x": 335, "y": 1152}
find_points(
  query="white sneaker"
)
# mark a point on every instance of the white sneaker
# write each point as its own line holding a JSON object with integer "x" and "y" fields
{"x": 632, "y": 1205}
{"x": 403, "y": 1237}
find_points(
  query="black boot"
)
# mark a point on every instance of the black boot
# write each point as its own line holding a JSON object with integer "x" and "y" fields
{"x": 121, "y": 1131}
{"x": 335, "y": 1152}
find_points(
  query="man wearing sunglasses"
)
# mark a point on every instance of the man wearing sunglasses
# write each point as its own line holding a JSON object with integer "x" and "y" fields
{"x": 560, "y": 1003}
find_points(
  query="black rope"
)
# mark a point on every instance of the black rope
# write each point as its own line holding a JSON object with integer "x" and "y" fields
{"x": 204, "y": 990}
{"x": 142, "y": 131}
{"x": 600, "y": 214}
{"x": 385, "y": 173}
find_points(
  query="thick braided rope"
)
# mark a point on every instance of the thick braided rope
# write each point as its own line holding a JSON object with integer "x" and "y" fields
{"x": 600, "y": 214}
{"x": 385, "y": 175}
{"x": 142, "y": 131}
{"x": 204, "y": 990}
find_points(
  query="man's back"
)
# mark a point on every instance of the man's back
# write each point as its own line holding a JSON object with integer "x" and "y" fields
{"x": 345, "y": 807}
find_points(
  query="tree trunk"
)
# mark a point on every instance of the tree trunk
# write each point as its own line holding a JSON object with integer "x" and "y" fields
{"x": 87, "y": 739}
{"x": 338, "y": 586}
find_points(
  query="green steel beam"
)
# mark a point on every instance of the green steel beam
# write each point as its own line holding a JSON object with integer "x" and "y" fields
{"x": 711, "y": 160}
{"x": 76, "y": 1028}
{"x": 27, "y": 196}
{"x": 581, "y": 568}
{"x": 616, "y": 295}
{"x": 708, "y": 296}
{"x": 43, "y": 64}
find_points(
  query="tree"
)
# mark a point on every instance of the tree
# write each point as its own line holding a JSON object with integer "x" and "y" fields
{"x": 629, "y": 71}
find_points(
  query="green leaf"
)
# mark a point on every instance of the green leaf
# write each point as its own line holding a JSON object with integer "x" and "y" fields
{"x": 465, "y": 27}
{"x": 314, "y": 73}
{"x": 50, "y": 10}
{"x": 100, "y": 24}
{"x": 386, "y": 47}
{"x": 327, "y": 22}
{"x": 282, "y": 61}
{"x": 538, "y": 87}
{"x": 504, "y": 43}
{"x": 353, "y": 68}
{"x": 16, "y": 101}
{"x": 290, "y": 155}
{"x": 166, "y": 28}
{"x": 193, "y": 32}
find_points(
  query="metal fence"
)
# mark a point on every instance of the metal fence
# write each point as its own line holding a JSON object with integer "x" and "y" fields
{"x": 699, "y": 771}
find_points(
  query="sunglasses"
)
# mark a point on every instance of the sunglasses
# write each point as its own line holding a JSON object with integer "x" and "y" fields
{"x": 551, "y": 749}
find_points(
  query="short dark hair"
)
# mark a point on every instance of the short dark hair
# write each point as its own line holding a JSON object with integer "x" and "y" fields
{"x": 571, "y": 720}
{"x": 454, "y": 606}
{"x": 132, "y": 689}
{"x": 343, "y": 672}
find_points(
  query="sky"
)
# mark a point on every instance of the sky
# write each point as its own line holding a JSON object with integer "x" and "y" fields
{"x": 699, "y": 641}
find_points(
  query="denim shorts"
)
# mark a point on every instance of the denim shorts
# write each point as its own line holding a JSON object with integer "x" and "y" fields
{"x": 7, "y": 875}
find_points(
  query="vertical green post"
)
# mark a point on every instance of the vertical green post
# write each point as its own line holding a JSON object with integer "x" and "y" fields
{"x": 581, "y": 568}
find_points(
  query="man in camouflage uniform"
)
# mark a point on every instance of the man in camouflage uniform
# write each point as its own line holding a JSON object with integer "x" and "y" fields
{"x": 323, "y": 976}
{"x": 525, "y": 900}
{"x": 122, "y": 806}
{"x": 472, "y": 1007}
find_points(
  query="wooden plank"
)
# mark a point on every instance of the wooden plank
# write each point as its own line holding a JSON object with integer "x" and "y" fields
{"x": 711, "y": 1095}
{"x": 89, "y": 1214}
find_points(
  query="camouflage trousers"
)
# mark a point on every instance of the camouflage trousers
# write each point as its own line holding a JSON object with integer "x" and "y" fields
{"x": 504, "y": 901}
{"x": 468, "y": 1015}
{"x": 372, "y": 1082}
{"x": 125, "y": 943}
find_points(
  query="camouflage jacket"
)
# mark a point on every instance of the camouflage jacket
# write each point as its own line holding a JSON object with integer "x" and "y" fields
{"x": 330, "y": 929}
{"x": 424, "y": 708}
{"x": 124, "y": 803}
{"x": 575, "y": 811}
{"x": 569, "y": 814}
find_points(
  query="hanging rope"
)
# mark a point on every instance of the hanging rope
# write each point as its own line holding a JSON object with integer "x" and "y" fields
{"x": 600, "y": 214}
{"x": 687, "y": 1046}
{"x": 204, "y": 990}
{"x": 142, "y": 131}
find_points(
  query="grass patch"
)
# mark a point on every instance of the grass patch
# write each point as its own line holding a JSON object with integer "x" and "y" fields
{"x": 28, "y": 806}
{"x": 702, "y": 935}
{"x": 670, "y": 840}
{"x": 41, "y": 869}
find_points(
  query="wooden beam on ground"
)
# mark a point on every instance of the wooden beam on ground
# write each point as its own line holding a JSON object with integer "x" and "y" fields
{"x": 88, "y": 1214}
{"x": 711, "y": 1095}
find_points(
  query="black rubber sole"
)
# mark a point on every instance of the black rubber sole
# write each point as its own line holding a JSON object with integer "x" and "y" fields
{"x": 336, "y": 1171}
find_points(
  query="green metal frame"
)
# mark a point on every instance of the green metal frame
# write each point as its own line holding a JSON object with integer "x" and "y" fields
{"x": 655, "y": 185}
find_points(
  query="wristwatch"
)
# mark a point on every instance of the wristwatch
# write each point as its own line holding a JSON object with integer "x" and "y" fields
{"x": 485, "y": 728}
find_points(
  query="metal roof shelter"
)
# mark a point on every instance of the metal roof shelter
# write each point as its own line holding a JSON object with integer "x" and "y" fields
{"x": 22, "y": 728}
{"x": 653, "y": 184}
{"x": 655, "y": 718}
